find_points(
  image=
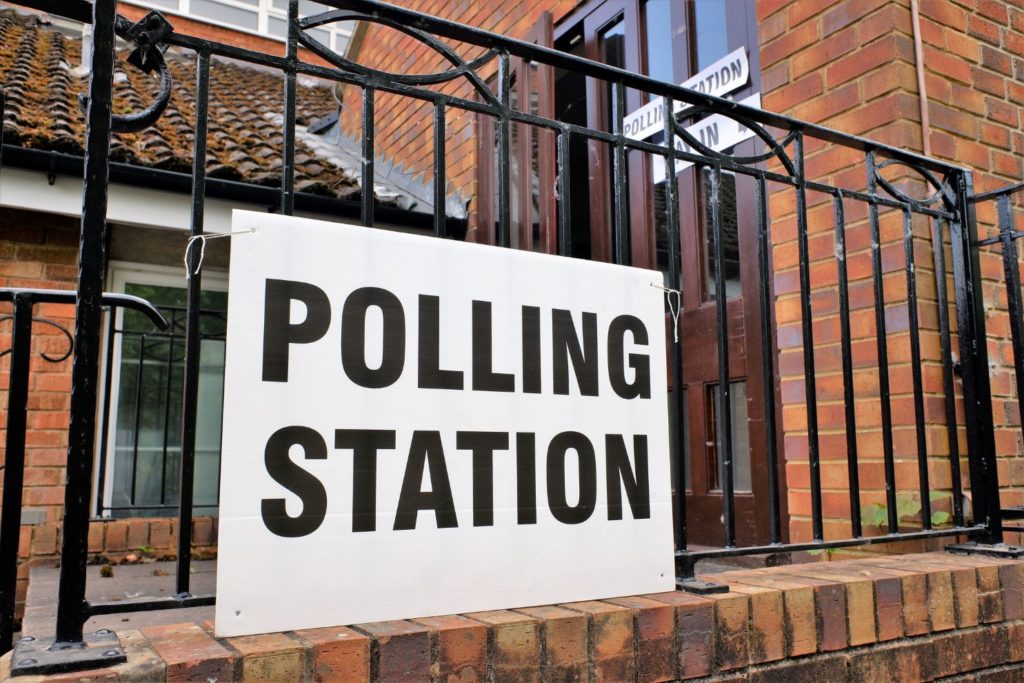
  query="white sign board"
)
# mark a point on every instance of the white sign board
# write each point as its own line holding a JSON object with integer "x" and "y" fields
{"x": 416, "y": 426}
{"x": 716, "y": 132}
{"x": 729, "y": 73}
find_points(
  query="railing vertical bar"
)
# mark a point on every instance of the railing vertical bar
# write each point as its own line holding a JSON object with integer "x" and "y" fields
{"x": 1011, "y": 266}
{"x": 948, "y": 389}
{"x": 504, "y": 153}
{"x": 440, "y": 177}
{"x": 14, "y": 466}
{"x": 369, "y": 94}
{"x": 915, "y": 369}
{"x": 807, "y": 338}
{"x": 883, "y": 349}
{"x": 675, "y": 279}
{"x": 970, "y": 311}
{"x": 168, "y": 377}
{"x": 88, "y": 309}
{"x": 564, "y": 194}
{"x": 764, "y": 270}
{"x": 839, "y": 218}
{"x": 190, "y": 390}
{"x": 723, "y": 423}
{"x": 290, "y": 96}
{"x": 137, "y": 417}
{"x": 620, "y": 196}
{"x": 108, "y": 380}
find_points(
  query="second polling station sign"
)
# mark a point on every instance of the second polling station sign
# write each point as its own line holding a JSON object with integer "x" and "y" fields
{"x": 416, "y": 426}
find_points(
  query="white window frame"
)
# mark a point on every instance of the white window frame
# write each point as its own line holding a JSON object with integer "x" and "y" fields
{"x": 120, "y": 273}
{"x": 264, "y": 10}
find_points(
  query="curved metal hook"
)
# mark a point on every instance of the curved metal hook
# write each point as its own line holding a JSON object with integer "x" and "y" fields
{"x": 942, "y": 190}
{"x": 148, "y": 55}
{"x": 46, "y": 321}
{"x": 462, "y": 67}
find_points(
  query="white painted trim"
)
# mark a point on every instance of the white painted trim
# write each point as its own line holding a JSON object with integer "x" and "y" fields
{"x": 129, "y": 204}
{"x": 120, "y": 273}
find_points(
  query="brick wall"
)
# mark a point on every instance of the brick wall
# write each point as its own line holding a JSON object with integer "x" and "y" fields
{"x": 922, "y": 617}
{"x": 404, "y": 126}
{"x": 850, "y": 65}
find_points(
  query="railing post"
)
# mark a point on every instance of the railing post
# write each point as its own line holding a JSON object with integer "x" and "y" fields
{"x": 977, "y": 391}
{"x": 14, "y": 466}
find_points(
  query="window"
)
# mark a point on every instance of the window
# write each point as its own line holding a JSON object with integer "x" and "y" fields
{"x": 138, "y": 468}
{"x": 266, "y": 17}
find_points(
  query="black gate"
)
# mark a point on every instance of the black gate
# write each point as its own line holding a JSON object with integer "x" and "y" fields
{"x": 896, "y": 185}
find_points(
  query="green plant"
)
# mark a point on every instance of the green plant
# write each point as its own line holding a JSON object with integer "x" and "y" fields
{"x": 908, "y": 507}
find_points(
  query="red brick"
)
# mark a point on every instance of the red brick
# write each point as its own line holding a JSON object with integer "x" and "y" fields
{"x": 403, "y": 650}
{"x": 516, "y": 640}
{"x": 190, "y": 653}
{"x": 338, "y": 653}
{"x": 655, "y": 624}
{"x": 565, "y": 641}
{"x": 117, "y": 536}
{"x": 611, "y": 628}
{"x": 461, "y": 646}
{"x": 695, "y": 618}
{"x": 270, "y": 657}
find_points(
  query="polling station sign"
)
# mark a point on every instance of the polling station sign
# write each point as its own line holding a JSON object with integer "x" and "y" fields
{"x": 416, "y": 426}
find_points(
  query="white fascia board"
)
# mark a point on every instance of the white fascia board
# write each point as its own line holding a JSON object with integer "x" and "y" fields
{"x": 126, "y": 204}
{"x": 129, "y": 204}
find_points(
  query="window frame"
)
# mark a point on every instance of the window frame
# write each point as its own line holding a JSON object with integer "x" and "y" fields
{"x": 263, "y": 9}
{"x": 119, "y": 274}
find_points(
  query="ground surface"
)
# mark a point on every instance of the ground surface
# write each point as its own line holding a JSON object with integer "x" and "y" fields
{"x": 129, "y": 582}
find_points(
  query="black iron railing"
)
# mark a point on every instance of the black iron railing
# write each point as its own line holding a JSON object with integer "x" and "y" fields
{"x": 896, "y": 183}
{"x": 1007, "y": 203}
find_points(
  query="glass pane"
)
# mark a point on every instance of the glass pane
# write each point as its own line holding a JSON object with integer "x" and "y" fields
{"x": 658, "y": 28}
{"x": 277, "y": 26}
{"x": 729, "y": 232}
{"x": 235, "y": 16}
{"x": 740, "y": 436}
{"x": 147, "y": 437}
{"x": 711, "y": 31}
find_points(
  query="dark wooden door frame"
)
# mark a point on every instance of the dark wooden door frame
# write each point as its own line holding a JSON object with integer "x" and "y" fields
{"x": 698, "y": 321}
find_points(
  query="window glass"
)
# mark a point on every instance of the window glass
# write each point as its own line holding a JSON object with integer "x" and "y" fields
{"x": 227, "y": 14}
{"x": 740, "y": 437}
{"x": 147, "y": 425}
{"x": 658, "y": 40}
{"x": 729, "y": 228}
{"x": 711, "y": 31}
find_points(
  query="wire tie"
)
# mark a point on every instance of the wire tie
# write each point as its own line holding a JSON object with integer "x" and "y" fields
{"x": 673, "y": 297}
{"x": 202, "y": 248}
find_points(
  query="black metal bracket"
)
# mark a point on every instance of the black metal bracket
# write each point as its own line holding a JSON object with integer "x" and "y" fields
{"x": 35, "y": 657}
{"x": 147, "y": 35}
{"x": 986, "y": 550}
{"x": 698, "y": 587}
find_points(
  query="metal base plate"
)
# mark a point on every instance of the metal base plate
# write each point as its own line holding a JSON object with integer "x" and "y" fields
{"x": 992, "y": 550}
{"x": 700, "y": 587}
{"x": 99, "y": 649}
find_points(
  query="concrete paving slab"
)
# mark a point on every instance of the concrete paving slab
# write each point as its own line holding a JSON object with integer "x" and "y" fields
{"x": 129, "y": 582}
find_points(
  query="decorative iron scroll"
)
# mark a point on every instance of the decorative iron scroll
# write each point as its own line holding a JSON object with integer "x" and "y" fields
{"x": 461, "y": 66}
{"x": 46, "y": 321}
{"x": 776, "y": 148}
{"x": 147, "y": 35}
{"x": 943, "y": 191}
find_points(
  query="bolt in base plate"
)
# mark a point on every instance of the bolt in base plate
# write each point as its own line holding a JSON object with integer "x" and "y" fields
{"x": 32, "y": 656}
